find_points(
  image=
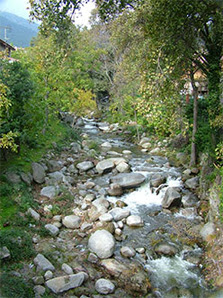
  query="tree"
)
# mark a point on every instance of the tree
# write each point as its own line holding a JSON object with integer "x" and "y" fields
{"x": 16, "y": 90}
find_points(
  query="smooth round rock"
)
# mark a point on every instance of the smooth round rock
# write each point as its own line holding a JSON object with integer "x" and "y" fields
{"x": 104, "y": 286}
{"x": 102, "y": 243}
{"x": 134, "y": 221}
{"x": 127, "y": 252}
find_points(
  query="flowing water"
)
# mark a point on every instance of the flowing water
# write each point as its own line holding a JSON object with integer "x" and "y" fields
{"x": 177, "y": 276}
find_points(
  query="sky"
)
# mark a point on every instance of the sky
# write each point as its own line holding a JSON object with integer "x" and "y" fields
{"x": 19, "y": 7}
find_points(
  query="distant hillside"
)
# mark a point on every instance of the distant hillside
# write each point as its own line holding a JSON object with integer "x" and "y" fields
{"x": 21, "y": 30}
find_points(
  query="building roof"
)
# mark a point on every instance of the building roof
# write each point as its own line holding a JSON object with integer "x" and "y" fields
{"x": 7, "y": 45}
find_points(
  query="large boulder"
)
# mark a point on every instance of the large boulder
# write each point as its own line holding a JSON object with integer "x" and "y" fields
{"x": 128, "y": 180}
{"x": 172, "y": 198}
{"x": 102, "y": 243}
{"x": 137, "y": 283}
{"x": 39, "y": 173}
{"x": 64, "y": 283}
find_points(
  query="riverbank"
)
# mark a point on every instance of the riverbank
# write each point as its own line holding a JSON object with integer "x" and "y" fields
{"x": 77, "y": 194}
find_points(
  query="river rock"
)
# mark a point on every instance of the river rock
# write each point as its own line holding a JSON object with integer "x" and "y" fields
{"x": 207, "y": 231}
{"x": 67, "y": 269}
{"x": 157, "y": 180}
{"x": 104, "y": 286}
{"x": 64, "y": 283}
{"x": 27, "y": 178}
{"x": 71, "y": 221}
{"x": 146, "y": 145}
{"x": 165, "y": 249}
{"x": 105, "y": 166}
{"x": 39, "y": 173}
{"x": 86, "y": 226}
{"x": 13, "y": 177}
{"x": 42, "y": 263}
{"x": 119, "y": 213}
{"x": 80, "y": 122}
{"x": 123, "y": 167}
{"x": 107, "y": 217}
{"x": 133, "y": 283}
{"x": 102, "y": 243}
{"x": 85, "y": 166}
{"x": 75, "y": 147}
{"x": 134, "y": 221}
{"x": 144, "y": 140}
{"x": 128, "y": 180}
{"x": 127, "y": 252}
{"x": 156, "y": 150}
{"x": 54, "y": 165}
{"x": 4, "y": 253}
{"x": 34, "y": 214}
{"x": 115, "y": 190}
{"x": 48, "y": 275}
{"x": 57, "y": 176}
{"x": 171, "y": 198}
{"x": 52, "y": 229}
{"x": 192, "y": 183}
{"x": 190, "y": 200}
{"x": 106, "y": 145}
{"x": 39, "y": 290}
{"x": 48, "y": 191}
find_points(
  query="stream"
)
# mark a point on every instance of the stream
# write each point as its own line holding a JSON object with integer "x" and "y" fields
{"x": 171, "y": 276}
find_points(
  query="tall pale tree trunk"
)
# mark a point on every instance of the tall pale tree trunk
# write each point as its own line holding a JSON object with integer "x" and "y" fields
{"x": 193, "y": 156}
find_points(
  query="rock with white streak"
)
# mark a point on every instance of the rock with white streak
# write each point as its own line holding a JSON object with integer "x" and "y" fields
{"x": 62, "y": 284}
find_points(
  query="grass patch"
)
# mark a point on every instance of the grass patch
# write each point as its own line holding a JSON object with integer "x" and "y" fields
{"x": 14, "y": 286}
{"x": 19, "y": 243}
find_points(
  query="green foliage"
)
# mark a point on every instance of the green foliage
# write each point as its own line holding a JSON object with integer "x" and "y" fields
{"x": 14, "y": 286}
{"x": 15, "y": 116}
{"x": 203, "y": 137}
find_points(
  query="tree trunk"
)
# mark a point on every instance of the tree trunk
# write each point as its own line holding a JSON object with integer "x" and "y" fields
{"x": 193, "y": 157}
{"x": 46, "y": 120}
